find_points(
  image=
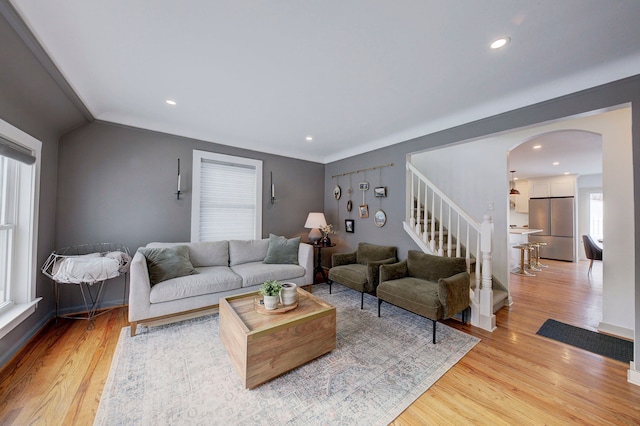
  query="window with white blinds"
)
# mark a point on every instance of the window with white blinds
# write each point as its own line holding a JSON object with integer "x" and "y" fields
{"x": 19, "y": 194}
{"x": 227, "y": 197}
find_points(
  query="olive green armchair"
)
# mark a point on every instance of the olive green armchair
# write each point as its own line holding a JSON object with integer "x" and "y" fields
{"x": 434, "y": 287}
{"x": 359, "y": 269}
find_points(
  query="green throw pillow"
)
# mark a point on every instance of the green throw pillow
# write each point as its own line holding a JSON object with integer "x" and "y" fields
{"x": 282, "y": 251}
{"x": 167, "y": 262}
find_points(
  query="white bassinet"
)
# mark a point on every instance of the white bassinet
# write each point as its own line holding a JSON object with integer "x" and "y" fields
{"x": 85, "y": 266}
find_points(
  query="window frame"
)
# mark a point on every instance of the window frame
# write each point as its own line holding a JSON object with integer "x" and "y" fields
{"x": 198, "y": 157}
{"x": 24, "y": 270}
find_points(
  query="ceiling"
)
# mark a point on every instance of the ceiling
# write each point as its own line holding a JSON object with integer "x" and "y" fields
{"x": 354, "y": 75}
{"x": 576, "y": 152}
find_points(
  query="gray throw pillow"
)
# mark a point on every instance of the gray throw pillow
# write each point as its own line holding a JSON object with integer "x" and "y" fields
{"x": 282, "y": 251}
{"x": 167, "y": 262}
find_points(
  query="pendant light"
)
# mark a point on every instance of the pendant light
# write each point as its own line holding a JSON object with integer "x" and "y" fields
{"x": 512, "y": 185}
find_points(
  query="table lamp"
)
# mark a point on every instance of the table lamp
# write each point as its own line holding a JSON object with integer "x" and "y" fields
{"x": 314, "y": 221}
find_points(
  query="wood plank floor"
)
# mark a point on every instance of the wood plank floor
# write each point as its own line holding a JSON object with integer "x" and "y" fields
{"x": 511, "y": 377}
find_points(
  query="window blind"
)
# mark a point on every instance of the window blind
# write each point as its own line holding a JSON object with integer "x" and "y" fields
{"x": 16, "y": 152}
{"x": 227, "y": 201}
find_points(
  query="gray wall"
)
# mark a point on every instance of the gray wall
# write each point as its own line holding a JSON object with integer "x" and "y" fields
{"x": 33, "y": 102}
{"x": 117, "y": 184}
{"x": 602, "y": 97}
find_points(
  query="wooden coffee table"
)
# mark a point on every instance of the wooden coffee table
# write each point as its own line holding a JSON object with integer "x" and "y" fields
{"x": 263, "y": 346}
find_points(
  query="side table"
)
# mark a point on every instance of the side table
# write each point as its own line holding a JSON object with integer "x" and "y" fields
{"x": 318, "y": 268}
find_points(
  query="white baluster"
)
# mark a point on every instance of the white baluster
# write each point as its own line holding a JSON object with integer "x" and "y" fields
{"x": 417, "y": 208}
{"x": 410, "y": 201}
{"x": 458, "y": 236}
{"x": 449, "y": 234}
{"x": 467, "y": 255}
{"x": 440, "y": 231}
{"x": 432, "y": 242}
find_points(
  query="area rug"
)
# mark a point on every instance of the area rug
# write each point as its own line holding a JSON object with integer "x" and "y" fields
{"x": 181, "y": 373}
{"x": 601, "y": 344}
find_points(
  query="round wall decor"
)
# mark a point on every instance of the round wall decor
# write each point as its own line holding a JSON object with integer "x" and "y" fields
{"x": 380, "y": 218}
{"x": 349, "y": 205}
{"x": 337, "y": 192}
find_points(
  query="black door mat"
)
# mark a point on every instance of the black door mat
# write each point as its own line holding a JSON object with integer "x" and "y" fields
{"x": 601, "y": 344}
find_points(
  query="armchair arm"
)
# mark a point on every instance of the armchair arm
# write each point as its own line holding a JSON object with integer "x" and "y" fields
{"x": 373, "y": 271}
{"x": 393, "y": 271}
{"x": 453, "y": 293}
{"x": 338, "y": 259}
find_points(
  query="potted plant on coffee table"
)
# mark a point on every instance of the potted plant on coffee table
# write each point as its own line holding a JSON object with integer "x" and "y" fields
{"x": 270, "y": 289}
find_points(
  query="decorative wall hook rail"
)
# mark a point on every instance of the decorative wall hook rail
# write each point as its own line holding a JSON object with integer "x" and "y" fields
{"x": 362, "y": 170}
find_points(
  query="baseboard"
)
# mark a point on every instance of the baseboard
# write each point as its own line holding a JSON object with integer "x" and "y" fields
{"x": 615, "y": 330}
{"x": 633, "y": 375}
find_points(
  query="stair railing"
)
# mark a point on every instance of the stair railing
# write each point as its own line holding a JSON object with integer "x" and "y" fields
{"x": 440, "y": 226}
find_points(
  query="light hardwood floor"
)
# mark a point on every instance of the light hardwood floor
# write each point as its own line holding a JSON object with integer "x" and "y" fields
{"x": 511, "y": 377}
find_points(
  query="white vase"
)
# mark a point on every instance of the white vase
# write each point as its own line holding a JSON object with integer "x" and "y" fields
{"x": 270, "y": 302}
{"x": 288, "y": 294}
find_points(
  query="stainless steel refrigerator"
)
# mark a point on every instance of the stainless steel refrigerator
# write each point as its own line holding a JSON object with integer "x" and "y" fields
{"x": 556, "y": 217}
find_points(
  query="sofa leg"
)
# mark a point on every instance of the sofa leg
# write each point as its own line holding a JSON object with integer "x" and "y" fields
{"x": 329, "y": 282}
{"x": 379, "y": 303}
{"x": 434, "y": 331}
{"x": 134, "y": 324}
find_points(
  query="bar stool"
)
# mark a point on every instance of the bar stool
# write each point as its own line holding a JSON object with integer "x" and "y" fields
{"x": 531, "y": 257}
{"x": 537, "y": 255}
{"x": 520, "y": 270}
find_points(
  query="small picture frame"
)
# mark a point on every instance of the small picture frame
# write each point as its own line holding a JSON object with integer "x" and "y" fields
{"x": 380, "y": 218}
{"x": 364, "y": 210}
{"x": 380, "y": 191}
{"x": 349, "y": 205}
{"x": 364, "y": 186}
{"x": 349, "y": 225}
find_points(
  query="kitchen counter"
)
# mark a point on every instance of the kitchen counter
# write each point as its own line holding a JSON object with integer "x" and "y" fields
{"x": 524, "y": 231}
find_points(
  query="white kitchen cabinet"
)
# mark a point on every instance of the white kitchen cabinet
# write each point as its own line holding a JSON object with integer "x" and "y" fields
{"x": 522, "y": 200}
{"x": 556, "y": 186}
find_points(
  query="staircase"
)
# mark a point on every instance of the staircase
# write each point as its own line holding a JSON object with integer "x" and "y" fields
{"x": 449, "y": 231}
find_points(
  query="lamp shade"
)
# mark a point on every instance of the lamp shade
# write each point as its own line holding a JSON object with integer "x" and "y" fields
{"x": 315, "y": 220}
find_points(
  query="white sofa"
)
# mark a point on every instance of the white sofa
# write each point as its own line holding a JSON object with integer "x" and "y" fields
{"x": 223, "y": 268}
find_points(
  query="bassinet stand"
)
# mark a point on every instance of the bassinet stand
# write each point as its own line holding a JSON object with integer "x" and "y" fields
{"x": 91, "y": 298}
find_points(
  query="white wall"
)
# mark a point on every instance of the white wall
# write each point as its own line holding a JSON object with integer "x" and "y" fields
{"x": 586, "y": 185}
{"x": 481, "y": 176}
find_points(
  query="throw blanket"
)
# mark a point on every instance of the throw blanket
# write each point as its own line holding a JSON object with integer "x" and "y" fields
{"x": 90, "y": 268}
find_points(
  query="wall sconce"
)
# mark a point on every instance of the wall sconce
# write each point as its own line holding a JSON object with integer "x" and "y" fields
{"x": 178, "y": 193}
{"x": 273, "y": 190}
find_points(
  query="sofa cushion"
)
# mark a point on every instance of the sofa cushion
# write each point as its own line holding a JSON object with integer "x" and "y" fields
{"x": 282, "y": 250}
{"x": 212, "y": 279}
{"x": 367, "y": 252}
{"x": 244, "y": 251}
{"x": 431, "y": 268}
{"x": 254, "y": 273}
{"x": 413, "y": 294}
{"x": 206, "y": 253}
{"x": 166, "y": 263}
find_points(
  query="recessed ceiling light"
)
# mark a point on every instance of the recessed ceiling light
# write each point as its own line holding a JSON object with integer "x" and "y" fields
{"x": 567, "y": 173}
{"x": 501, "y": 42}
{"x": 309, "y": 138}
{"x": 170, "y": 102}
{"x": 556, "y": 163}
{"x": 537, "y": 146}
